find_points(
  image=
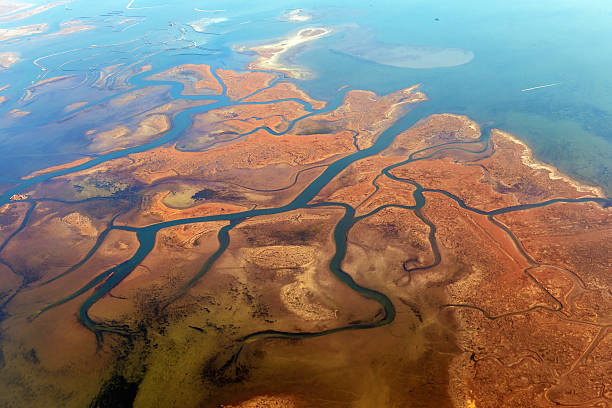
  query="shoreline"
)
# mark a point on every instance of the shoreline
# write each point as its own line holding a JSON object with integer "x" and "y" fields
{"x": 270, "y": 56}
{"x": 529, "y": 159}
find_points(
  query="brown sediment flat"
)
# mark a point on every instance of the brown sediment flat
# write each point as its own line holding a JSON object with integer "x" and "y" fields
{"x": 244, "y": 292}
{"x": 433, "y": 131}
{"x": 367, "y": 113}
{"x": 389, "y": 192}
{"x": 133, "y": 96}
{"x": 310, "y": 143}
{"x": 584, "y": 381}
{"x": 447, "y": 174}
{"x": 52, "y": 229}
{"x": 57, "y": 168}
{"x": 9, "y": 283}
{"x": 48, "y": 85}
{"x": 143, "y": 129}
{"x": 285, "y": 90}
{"x": 391, "y": 237}
{"x": 66, "y": 357}
{"x": 179, "y": 252}
{"x": 570, "y": 236}
{"x": 550, "y": 181}
{"x": 197, "y": 79}
{"x": 153, "y": 210}
{"x": 121, "y": 137}
{"x": 259, "y": 150}
{"x": 362, "y": 186}
{"x": 241, "y": 84}
{"x": 223, "y": 124}
{"x": 491, "y": 311}
{"x": 488, "y": 263}
{"x": 413, "y": 352}
{"x": 497, "y": 292}
{"x": 104, "y": 74}
{"x": 267, "y": 401}
{"x": 271, "y": 186}
{"x": 176, "y": 106}
{"x": 11, "y": 216}
{"x": 70, "y": 28}
{"x": 515, "y": 362}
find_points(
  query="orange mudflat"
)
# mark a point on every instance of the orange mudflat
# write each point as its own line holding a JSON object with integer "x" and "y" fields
{"x": 447, "y": 266}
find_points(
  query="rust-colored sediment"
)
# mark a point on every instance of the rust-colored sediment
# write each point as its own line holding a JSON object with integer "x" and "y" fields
{"x": 197, "y": 79}
{"x": 514, "y": 313}
{"x": 57, "y": 168}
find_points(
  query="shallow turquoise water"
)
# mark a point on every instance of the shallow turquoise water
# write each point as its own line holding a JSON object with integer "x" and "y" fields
{"x": 516, "y": 45}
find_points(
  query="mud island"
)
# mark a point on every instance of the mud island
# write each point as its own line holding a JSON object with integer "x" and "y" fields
{"x": 273, "y": 250}
{"x": 276, "y": 56}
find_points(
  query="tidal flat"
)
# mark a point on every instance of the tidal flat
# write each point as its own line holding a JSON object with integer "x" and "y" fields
{"x": 185, "y": 220}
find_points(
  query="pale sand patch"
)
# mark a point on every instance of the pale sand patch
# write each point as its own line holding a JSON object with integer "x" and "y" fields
{"x": 411, "y": 96}
{"x": 81, "y": 223}
{"x": 121, "y": 136}
{"x": 297, "y": 16}
{"x": 26, "y": 13}
{"x": 71, "y": 27}
{"x": 271, "y": 55}
{"x": 7, "y": 59}
{"x": 279, "y": 256}
{"x": 528, "y": 159}
{"x": 10, "y": 33}
{"x": 298, "y": 297}
{"x": 16, "y": 197}
{"x": 74, "y": 106}
{"x": 202, "y": 24}
{"x": 7, "y": 7}
{"x": 144, "y": 68}
{"x": 300, "y": 300}
{"x": 16, "y": 114}
{"x": 104, "y": 74}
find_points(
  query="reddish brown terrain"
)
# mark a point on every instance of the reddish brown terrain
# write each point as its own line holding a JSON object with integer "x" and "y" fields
{"x": 473, "y": 275}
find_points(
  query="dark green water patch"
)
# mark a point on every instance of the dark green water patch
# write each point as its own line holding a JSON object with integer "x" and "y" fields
{"x": 117, "y": 392}
{"x": 205, "y": 194}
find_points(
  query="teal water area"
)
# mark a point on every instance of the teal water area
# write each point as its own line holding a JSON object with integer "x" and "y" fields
{"x": 517, "y": 45}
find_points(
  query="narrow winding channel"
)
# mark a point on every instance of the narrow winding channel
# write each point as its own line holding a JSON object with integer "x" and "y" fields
{"x": 106, "y": 281}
